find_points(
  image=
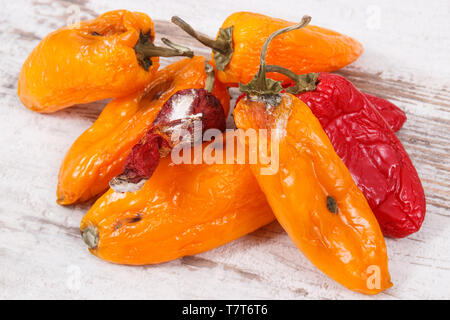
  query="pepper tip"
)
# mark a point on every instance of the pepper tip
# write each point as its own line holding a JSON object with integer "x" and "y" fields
{"x": 90, "y": 236}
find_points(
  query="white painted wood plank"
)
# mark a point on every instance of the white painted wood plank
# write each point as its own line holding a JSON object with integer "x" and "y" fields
{"x": 41, "y": 253}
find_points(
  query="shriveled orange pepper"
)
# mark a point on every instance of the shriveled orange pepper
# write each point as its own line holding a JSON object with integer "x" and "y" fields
{"x": 241, "y": 37}
{"x": 108, "y": 57}
{"x": 311, "y": 191}
{"x": 181, "y": 210}
{"x": 100, "y": 152}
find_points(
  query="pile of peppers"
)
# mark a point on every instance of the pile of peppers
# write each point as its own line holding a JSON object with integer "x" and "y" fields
{"x": 343, "y": 179}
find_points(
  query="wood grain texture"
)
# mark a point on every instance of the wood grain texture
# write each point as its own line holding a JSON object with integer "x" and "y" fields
{"x": 41, "y": 252}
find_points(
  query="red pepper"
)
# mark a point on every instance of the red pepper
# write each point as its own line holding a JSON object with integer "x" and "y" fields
{"x": 372, "y": 152}
{"x": 391, "y": 113}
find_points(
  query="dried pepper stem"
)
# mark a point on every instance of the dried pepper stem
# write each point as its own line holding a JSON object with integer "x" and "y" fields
{"x": 222, "y": 46}
{"x": 145, "y": 49}
{"x": 261, "y": 85}
{"x": 302, "y": 82}
{"x": 210, "y": 77}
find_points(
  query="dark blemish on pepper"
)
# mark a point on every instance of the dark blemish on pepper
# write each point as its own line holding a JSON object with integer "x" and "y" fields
{"x": 332, "y": 205}
{"x": 135, "y": 219}
{"x": 95, "y": 33}
{"x": 125, "y": 221}
{"x": 158, "y": 94}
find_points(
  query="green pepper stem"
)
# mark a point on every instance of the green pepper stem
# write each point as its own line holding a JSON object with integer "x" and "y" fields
{"x": 210, "y": 77}
{"x": 146, "y": 49}
{"x": 262, "y": 59}
{"x": 218, "y": 45}
{"x": 179, "y": 49}
{"x": 260, "y": 84}
{"x": 222, "y": 46}
{"x": 279, "y": 69}
{"x": 150, "y": 50}
{"x": 303, "y": 82}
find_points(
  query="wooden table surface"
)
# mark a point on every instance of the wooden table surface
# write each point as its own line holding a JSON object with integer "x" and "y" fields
{"x": 406, "y": 60}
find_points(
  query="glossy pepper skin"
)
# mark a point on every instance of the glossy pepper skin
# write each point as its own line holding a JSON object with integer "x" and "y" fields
{"x": 100, "y": 152}
{"x": 393, "y": 115}
{"x": 343, "y": 244}
{"x": 85, "y": 63}
{"x": 181, "y": 210}
{"x": 345, "y": 145}
{"x": 372, "y": 152}
{"x": 311, "y": 49}
{"x": 108, "y": 57}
